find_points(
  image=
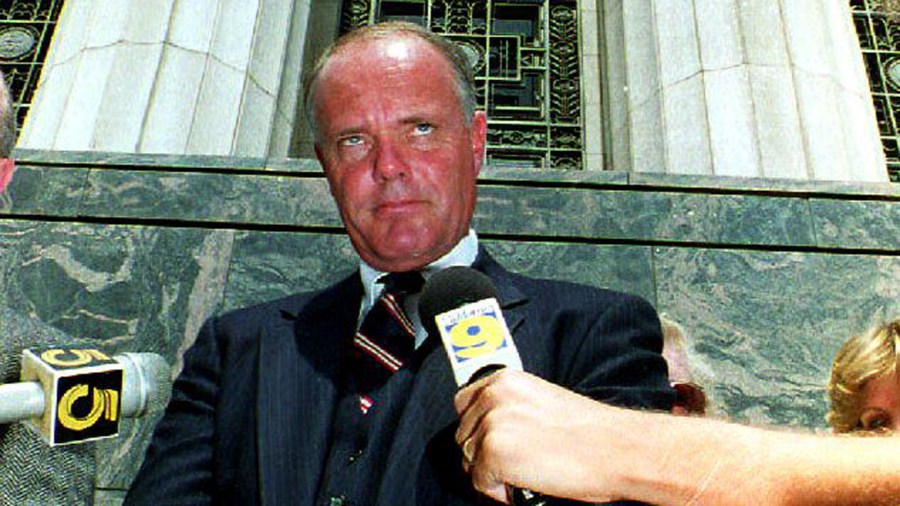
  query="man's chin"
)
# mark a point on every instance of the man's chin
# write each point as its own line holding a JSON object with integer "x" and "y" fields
{"x": 403, "y": 256}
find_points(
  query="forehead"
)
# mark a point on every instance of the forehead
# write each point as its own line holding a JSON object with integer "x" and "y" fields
{"x": 882, "y": 391}
{"x": 376, "y": 82}
{"x": 379, "y": 66}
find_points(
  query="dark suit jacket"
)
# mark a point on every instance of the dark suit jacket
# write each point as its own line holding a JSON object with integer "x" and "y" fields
{"x": 251, "y": 414}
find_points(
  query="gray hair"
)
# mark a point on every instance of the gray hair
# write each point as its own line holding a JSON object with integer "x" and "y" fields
{"x": 7, "y": 120}
{"x": 459, "y": 63}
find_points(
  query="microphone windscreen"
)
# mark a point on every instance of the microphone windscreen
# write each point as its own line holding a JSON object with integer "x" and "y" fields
{"x": 147, "y": 383}
{"x": 451, "y": 288}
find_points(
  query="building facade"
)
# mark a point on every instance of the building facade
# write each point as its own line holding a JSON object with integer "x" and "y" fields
{"x": 729, "y": 88}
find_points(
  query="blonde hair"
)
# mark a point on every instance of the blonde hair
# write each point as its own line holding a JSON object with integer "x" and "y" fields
{"x": 872, "y": 354}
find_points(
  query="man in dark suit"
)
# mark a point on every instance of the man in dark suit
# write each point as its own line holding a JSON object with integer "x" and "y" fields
{"x": 31, "y": 472}
{"x": 271, "y": 407}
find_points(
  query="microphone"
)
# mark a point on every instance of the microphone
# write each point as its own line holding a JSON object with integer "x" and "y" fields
{"x": 73, "y": 395}
{"x": 460, "y": 305}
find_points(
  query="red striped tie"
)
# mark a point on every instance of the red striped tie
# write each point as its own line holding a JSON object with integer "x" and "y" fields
{"x": 386, "y": 339}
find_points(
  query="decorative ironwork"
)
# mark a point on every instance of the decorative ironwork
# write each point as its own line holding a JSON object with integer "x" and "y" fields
{"x": 527, "y": 64}
{"x": 26, "y": 27}
{"x": 878, "y": 26}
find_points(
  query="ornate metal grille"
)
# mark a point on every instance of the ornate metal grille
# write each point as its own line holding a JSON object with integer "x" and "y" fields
{"x": 526, "y": 58}
{"x": 878, "y": 26}
{"x": 26, "y": 27}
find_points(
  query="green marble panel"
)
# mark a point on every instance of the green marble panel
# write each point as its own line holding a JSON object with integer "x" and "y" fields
{"x": 644, "y": 216}
{"x": 54, "y": 191}
{"x": 137, "y": 160}
{"x": 555, "y": 177}
{"x": 857, "y": 224}
{"x": 271, "y": 265}
{"x": 765, "y": 325}
{"x": 129, "y": 288}
{"x": 159, "y": 161}
{"x": 239, "y": 198}
{"x": 622, "y": 268}
{"x": 125, "y": 286}
{"x": 267, "y": 266}
{"x": 760, "y": 185}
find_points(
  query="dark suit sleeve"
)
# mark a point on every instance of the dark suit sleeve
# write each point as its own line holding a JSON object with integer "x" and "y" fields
{"x": 619, "y": 360}
{"x": 178, "y": 467}
{"x": 603, "y": 344}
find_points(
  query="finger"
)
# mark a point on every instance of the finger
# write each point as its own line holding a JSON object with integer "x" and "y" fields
{"x": 469, "y": 393}
{"x": 468, "y": 450}
{"x": 475, "y": 409}
{"x": 467, "y": 466}
{"x": 483, "y": 482}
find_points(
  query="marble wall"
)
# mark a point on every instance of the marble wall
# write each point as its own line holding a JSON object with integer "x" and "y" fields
{"x": 768, "y": 277}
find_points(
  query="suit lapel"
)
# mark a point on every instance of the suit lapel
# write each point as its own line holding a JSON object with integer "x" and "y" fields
{"x": 512, "y": 301}
{"x": 300, "y": 358}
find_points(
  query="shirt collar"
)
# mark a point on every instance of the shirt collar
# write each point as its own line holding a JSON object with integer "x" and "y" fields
{"x": 463, "y": 253}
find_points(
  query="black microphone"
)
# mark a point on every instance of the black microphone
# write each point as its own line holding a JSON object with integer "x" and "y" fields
{"x": 72, "y": 395}
{"x": 460, "y": 305}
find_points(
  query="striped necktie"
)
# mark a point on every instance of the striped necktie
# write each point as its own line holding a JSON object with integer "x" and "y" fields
{"x": 386, "y": 339}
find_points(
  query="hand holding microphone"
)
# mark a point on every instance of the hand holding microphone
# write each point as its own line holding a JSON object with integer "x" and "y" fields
{"x": 526, "y": 432}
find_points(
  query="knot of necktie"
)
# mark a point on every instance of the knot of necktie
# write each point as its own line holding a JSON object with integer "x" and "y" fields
{"x": 386, "y": 338}
{"x": 403, "y": 282}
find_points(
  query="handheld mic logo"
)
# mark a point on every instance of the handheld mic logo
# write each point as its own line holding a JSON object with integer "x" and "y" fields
{"x": 475, "y": 336}
{"x": 82, "y": 406}
{"x": 83, "y": 391}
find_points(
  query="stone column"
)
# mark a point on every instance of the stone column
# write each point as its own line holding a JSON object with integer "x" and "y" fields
{"x": 752, "y": 88}
{"x": 215, "y": 77}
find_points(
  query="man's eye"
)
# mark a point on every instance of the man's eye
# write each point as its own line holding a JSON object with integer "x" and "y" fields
{"x": 424, "y": 128}
{"x": 876, "y": 423}
{"x": 353, "y": 140}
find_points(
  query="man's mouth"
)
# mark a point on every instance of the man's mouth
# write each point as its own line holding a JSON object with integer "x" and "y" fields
{"x": 395, "y": 206}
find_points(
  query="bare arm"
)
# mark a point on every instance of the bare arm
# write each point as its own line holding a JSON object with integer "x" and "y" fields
{"x": 532, "y": 434}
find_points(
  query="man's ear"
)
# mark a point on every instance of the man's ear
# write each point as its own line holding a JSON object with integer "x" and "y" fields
{"x": 479, "y": 139}
{"x": 7, "y": 167}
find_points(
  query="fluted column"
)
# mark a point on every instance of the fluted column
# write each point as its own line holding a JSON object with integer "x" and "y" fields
{"x": 753, "y": 88}
{"x": 171, "y": 76}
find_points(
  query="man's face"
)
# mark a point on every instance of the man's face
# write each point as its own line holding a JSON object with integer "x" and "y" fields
{"x": 400, "y": 159}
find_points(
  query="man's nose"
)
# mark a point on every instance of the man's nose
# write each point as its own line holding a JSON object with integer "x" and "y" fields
{"x": 390, "y": 161}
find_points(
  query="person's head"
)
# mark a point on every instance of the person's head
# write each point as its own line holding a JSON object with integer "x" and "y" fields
{"x": 690, "y": 398}
{"x": 392, "y": 108}
{"x": 7, "y": 134}
{"x": 864, "y": 389}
